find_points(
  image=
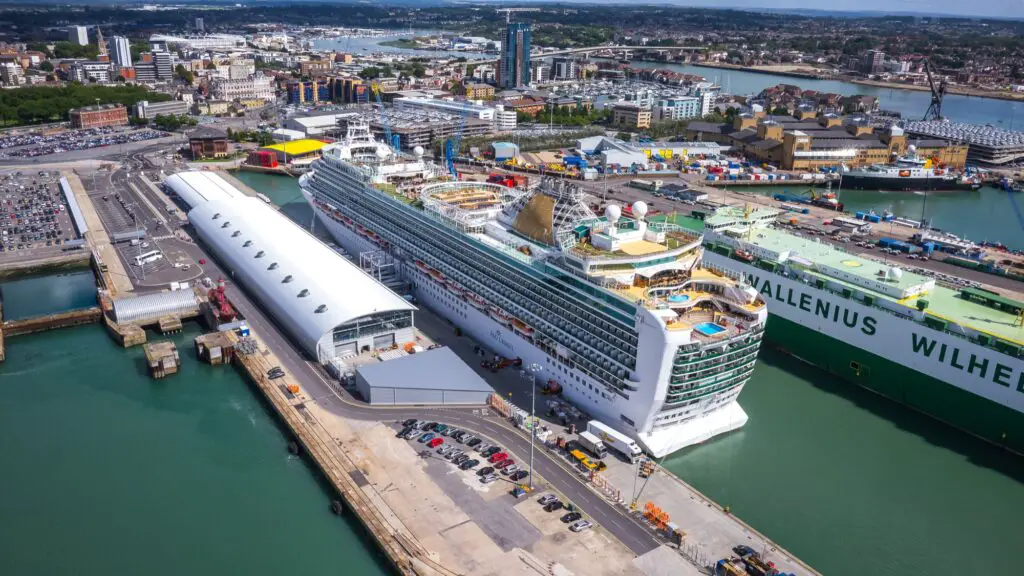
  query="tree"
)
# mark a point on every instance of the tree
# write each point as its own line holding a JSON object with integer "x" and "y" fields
{"x": 185, "y": 74}
{"x": 624, "y": 136}
{"x": 120, "y": 79}
{"x": 46, "y": 66}
{"x": 210, "y": 65}
{"x": 136, "y": 121}
{"x": 780, "y": 111}
{"x": 370, "y": 72}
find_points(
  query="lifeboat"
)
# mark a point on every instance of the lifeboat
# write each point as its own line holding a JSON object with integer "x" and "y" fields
{"x": 477, "y": 302}
{"x": 454, "y": 288}
{"x": 904, "y": 173}
{"x": 437, "y": 275}
{"x": 422, "y": 266}
{"x": 521, "y": 327}
{"x": 500, "y": 315}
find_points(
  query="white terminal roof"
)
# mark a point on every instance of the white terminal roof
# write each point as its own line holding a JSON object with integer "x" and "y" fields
{"x": 308, "y": 287}
{"x": 197, "y": 188}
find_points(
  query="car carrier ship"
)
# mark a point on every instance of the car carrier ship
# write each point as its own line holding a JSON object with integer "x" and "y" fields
{"x": 955, "y": 354}
{"x": 621, "y": 313}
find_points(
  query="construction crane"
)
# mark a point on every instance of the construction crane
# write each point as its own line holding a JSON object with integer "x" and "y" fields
{"x": 453, "y": 145}
{"x": 388, "y": 138}
{"x": 934, "y": 111}
{"x": 508, "y": 12}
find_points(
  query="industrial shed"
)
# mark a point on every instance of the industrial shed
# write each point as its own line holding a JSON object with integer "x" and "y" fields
{"x": 436, "y": 376}
{"x": 154, "y": 306}
{"x": 328, "y": 305}
{"x": 196, "y": 188}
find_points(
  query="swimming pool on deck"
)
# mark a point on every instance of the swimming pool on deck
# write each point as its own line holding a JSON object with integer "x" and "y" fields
{"x": 709, "y": 328}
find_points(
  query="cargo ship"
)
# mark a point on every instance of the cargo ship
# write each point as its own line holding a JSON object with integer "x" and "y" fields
{"x": 619, "y": 312}
{"x": 908, "y": 173}
{"x": 952, "y": 353}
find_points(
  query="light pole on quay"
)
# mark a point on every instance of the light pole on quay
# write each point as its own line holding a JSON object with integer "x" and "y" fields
{"x": 530, "y": 373}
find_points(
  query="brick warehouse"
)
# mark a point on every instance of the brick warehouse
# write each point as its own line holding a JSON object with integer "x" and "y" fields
{"x": 99, "y": 116}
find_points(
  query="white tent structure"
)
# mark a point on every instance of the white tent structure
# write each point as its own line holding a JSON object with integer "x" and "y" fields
{"x": 197, "y": 188}
{"x": 330, "y": 306}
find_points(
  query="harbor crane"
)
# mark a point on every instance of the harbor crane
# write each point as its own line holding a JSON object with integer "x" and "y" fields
{"x": 508, "y": 12}
{"x": 934, "y": 111}
{"x": 388, "y": 138}
{"x": 453, "y": 146}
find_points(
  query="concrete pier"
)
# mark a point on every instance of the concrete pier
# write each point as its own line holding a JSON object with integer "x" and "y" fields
{"x": 404, "y": 552}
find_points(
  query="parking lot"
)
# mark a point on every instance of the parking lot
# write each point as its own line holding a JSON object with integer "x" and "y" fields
{"x": 35, "y": 220}
{"x": 43, "y": 143}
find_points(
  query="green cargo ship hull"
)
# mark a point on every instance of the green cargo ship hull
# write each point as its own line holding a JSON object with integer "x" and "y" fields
{"x": 968, "y": 412}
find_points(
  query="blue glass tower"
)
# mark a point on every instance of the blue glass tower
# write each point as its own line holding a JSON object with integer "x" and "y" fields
{"x": 514, "y": 67}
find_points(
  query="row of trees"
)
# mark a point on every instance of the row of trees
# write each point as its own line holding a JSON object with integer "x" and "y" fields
{"x": 258, "y": 136}
{"x": 165, "y": 122}
{"x": 42, "y": 104}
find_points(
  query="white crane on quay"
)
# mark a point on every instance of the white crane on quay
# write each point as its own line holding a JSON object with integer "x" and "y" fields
{"x": 508, "y": 12}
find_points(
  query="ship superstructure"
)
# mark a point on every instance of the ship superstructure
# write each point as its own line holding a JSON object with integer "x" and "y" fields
{"x": 621, "y": 313}
{"x": 908, "y": 172}
{"x": 953, "y": 353}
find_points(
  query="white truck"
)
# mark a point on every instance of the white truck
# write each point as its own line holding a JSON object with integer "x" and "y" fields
{"x": 615, "y": 440}
{"x": 593, "y": 444}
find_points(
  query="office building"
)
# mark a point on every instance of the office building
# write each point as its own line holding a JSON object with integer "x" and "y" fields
{"x": 200, "y": 25}
{"x": 90, "y": 71}
{"x": 121, "y": 51}
{"x": 564, "y": 69}
{"x": 514, "y": 65}
{"x": 504, "y": 120}
{"x": 149, "y": 110}
{"x": 677, "y": 108}
{"x": 631, "y": 116}
{"x": 256, "y": 86}
{"x": 99, "y": 116}
{"x": 145, "y": 73}
{"x": 164, "y": 65}
{"x": 873, "y": 62}
{"x": 78, "y": 35}
{"x": 539, "y": 72}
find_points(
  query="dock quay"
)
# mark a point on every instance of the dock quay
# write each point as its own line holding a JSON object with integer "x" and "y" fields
{"x": 404, "y": 552}
{"x": 89, "y": 315}
{"x": 161, "y": 358}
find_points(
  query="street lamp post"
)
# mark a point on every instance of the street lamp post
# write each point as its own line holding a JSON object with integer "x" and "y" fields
{"x": 532, "y": 370}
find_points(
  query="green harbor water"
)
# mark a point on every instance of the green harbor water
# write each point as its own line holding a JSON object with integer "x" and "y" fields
{"x": 106, "y": 471}
{"x": 41, "y": 295}
{"x": 848, "y": 481}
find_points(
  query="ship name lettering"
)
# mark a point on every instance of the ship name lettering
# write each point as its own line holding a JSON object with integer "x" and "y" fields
{"x": 978, "y": 366}
{"x": 811, "y": 303}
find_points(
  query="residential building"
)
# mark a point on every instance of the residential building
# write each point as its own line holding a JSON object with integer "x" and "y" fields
{"x": 255, "y": 86}
{"x": 214, "y": 107}
{"x": 11, "y": 74}
{"x": 479, "y": 91}
{"x": 91, "y": 71}
{"x": 514, "y": 64}
{"x": 99, "y": 116}
{"x": 707, "y": 102}
{"x": 149, "y": 110}
{"x": 200, "y": 25}
{"x": 315, "y": 68}
{"x": 121, "y": 51}
{"x": 539, "y": 72}
{"x": 677, "y": 108}
{"x": 631, "y": 116}
{"x": 311, "y": 91}
{"x": 873, "y": 62}
{"x": 564, "y": 69}
{"x": 208, "y": 142}
{"x": 484, "y": 73}
{"x": 525, "y": 105}
{"x": 78, "y": 35}
{"x": 239, "y": 69}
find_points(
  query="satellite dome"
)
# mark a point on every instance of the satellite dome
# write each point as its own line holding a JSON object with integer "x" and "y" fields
{"x": 418, "y": 150}
{"x": 911, "y": 148}
{"x": 895, "y": 273}
{"x": 640, "y": 209}
{"x": 612, "y": 212}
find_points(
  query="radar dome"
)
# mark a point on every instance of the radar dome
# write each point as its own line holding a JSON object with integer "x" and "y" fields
{"x": 895, "y": 273}
{"x": 640, "y": 209}
{"x": 418, "y": 150}
{"x": 612, "y": 212}
{"x": 911, "y": 148}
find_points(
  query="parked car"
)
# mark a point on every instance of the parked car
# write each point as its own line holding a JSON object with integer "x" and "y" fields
{"x": 580, "y": 525}
{"x": 460, "y": 459}
{"x": 547, "y": 499}
{"x": 508, "y": 470}
{"x": 453, "y": 454}
{"x": 434, "y": 443}
{"x": 468, "y": 464}
{"x": 440, "y": 428}
{"x": 482, "y": 447}
{"x": 426, "y": 437}
{"x": 504, "y": 463}
{"x": 473, "y": 442}
{"x": 552, "y": 506}
{"x": 410, "y": 422}
{"x": 403, "y": 432}
{"x": 487, "y": 479}
{"x": 571, "y": 517}
{"x": 485, "y": 471}
{"x": 429, "y": 426}
{"x": 518, "y": 475}
{"x": 445, "y": 449}
{"x": 498, "y": 457}
{"x": 490, "y": 451}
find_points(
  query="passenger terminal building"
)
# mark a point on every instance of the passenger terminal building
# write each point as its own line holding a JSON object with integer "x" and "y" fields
{"x": 327, "y": 304}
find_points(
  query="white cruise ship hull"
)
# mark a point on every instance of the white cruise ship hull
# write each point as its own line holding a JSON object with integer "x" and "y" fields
{"x": 501, "y": 339}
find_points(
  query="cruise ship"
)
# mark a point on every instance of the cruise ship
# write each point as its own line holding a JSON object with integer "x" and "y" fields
{"x": 621, "y": 313}
{"x": 908, "y": 172}
{"x": 952, "y": 353}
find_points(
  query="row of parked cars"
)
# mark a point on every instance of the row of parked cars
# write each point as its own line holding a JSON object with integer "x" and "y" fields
{"x": 40, "y": 144}
{"x": 458, "y": 446}
{"x": 574, "y": 519}
{"x": 29, "y": 211}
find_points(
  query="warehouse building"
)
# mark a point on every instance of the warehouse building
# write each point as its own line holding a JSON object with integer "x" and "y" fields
{"x": 328, "y": 305}
{"x": 436, "y": 376}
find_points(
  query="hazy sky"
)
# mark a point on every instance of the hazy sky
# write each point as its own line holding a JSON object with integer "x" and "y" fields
{"x": 992, "y": 8}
